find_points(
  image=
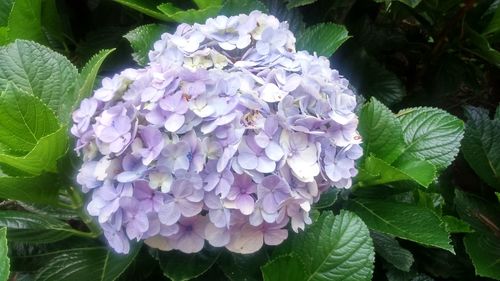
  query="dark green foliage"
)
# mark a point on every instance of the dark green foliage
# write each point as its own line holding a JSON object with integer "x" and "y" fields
{"x": 424, "y": 206}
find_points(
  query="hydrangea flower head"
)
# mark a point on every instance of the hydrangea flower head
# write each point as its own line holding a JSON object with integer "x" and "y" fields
{"x": 227, "y": 136}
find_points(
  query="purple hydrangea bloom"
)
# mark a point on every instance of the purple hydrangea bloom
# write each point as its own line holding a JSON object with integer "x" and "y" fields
{"x": 228, "y": 135}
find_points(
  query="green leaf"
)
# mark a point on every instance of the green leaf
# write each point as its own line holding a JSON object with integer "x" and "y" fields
{"x": 4, "y": 259}
{"x": 30, "y": 132}
{"x": 294, "y": 17}
{"x": 431, "y": 134}
{"x": 484, "y": 251}
{"x": 376, "y": 171}
{"x": 455, "y": 225}
{"x": 483, "y": 246}
{"x": 25, "y": 21}
{"x": 332, "y": 36}
{"x": 33, "y": 228}
{"x": 24, "y": 120}
{"x": 44, "y": 155}
{"x": 55, "y": 211}
{"x": 421, "y": 171}
{"x": 83, "y": 264}
{"x": 236, "y": 7}
{"x": 370, "y": 78}
{"x": 383, "y": 85}
{"x": 51, "y": 22}
{"x": 494, "y": 24}
{"x": 389, "y": 249}
{"x": 411, "y": 3}
{"x": 481, "y": 145}
{"x": 482, "y": 215}
{"x": 207, "y": 3}
{"x": 146, "y": 7}
{"x": 327, "y": 199}
{"x": 4, "y": 35}
{"x": 142, "y": 39}
{"x": 41, "y": 189}
{"x": 287, "y": 267}
{"x": 41, "y": 72}
{"x": 238, "y": 267}
{"x": 333, "y": 248}
{"x": 402, "y": 220}
{"x": 480, "y": 46}
{"x": 297, "y": 3}
{"x": 190, "y": 15}
{"x": 180, "y": 266}
{"x": 86, "y": 78}
{"x": 5, "y": 8}
{"x": 381, "y": 131}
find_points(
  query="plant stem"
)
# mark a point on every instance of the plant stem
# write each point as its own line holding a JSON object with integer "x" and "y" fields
{"x": 76, "y": 198}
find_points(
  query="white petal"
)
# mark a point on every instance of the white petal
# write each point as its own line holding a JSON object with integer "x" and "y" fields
{"x": 265, "y": 165}
{"x": 248, "y": 240}
{"x": 271, "y": 93}
{"x": 247, "y": 161}
{"x": 217, "y": 237}
{"x": 274, "y": 151}
{"x": 174, "y": 122}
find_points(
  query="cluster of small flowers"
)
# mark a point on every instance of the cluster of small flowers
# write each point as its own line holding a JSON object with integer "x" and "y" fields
{"x": 227, "y": 136}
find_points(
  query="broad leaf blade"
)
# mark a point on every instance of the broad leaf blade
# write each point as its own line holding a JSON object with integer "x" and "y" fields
{"x": 86, "y": 78}
{"x": 146, "y": 7}
{"x": 389, "y": 249}
{"x": 24, "y": 120}
{"x": 41, "y": 189}
{"x": 332, "y": 36}
{"x": 41, "y": 72}
{"x": 481, "y": 145}
{"x": 25, "y": 21}
{"x": 369, "y": 77}
{"x": 142, "y": 39}
{"x": 483, "y": 246}
{"x": 287, "y": 267}
{"x": 455, "y": 225}
{"x": 31, "y": 138}
{"x": 83, "y": 264}
{"x": 4, "y": 259}
{"x": 484, "y": 251}
{"x": 421, "y": 171}
{"x": 431, "y": 134}
{"x": 180, "y": 266}
{"x": 481, "y": 214}
{"x": 381, "y": 130}
{"x": 5, "y": 8}
{"x": 297, "y": 3}
{"x": 481, "y": 47}
{"x": 494, "y": 25}
{"x": 403, "y": 220}
{"x": 44, "y": 155}
{"x": 207, "y": 3}
{"x": 191, "y": 15}
{"x": 376, "y": 171}
{"x": 28, "y": 227}
{"x": 333, "y": 248}
{"x": 242, "y": 266}
{"x": 294, "y": 17}
{"x": 4, "y": 35}
{"x": 376, "y": 81}
{"x": 236, "y": 7}
{"x": 327, "y": 199}
{"x": 411, "y": 3}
